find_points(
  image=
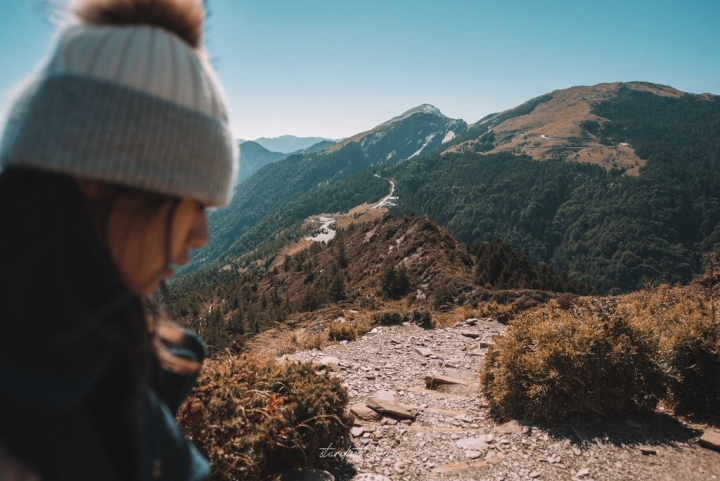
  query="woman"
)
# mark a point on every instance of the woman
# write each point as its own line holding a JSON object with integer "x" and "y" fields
{"x": 109, "y": 159}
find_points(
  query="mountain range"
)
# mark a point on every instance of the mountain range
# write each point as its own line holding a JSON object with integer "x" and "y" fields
{"x": 286, "y": 144}
{"x": 616, "y": 184}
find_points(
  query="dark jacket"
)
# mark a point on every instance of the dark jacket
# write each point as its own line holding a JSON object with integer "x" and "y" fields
{"x": 81, "y": 395}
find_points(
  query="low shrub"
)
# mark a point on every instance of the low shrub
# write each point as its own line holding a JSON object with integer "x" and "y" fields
{"x": 685, "y": 322}
{"x": 421, "y": 317}
{"x": 342, "y": 331}
{"x": 553, "y": 363}
{"x": 253, "y": 417}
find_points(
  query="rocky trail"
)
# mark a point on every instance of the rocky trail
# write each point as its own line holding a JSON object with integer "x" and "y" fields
{"x": 419, "y": 415}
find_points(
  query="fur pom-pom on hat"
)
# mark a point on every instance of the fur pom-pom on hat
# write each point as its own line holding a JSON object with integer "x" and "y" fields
{"x": 128, "y": 97}
{"x": 184, "y": 18}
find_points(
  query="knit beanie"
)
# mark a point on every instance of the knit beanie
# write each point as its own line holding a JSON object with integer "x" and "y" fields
{"x": 130, "y": 104}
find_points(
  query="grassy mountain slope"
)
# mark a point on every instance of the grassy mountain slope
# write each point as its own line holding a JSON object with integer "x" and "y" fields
{"x": 565, "y": 124}
{"x": 373, "y": 262}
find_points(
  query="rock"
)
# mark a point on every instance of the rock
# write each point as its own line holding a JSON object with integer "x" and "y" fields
{"x": 399, "y": 410}
{"x": 453, "y": 362}
{"x": 440, "y": 379}
{"x": 647, "y": 450}
{"x": 477, "y": 352}
{"x": 534, "y": 474}
{"x": 423, "y": 351}
{"x": 331, "y": 362}
{"x": 470, "y": 334}
{"x": 490, "y": 454}
{"x": 512, "y": 427}
{"x": 633, "y": 424}
{"x": 486, "y": 344}
{"x": 395, "y": 341}
{"x": 385, "y": 396}
{"x": 472, "y": 454}
{"x": 370, "y": 477}
{"x": 474, "y": 444}
{"x": 361, "y": 411}
{"x": 471, "y": 321}
{"x": 357, "y": 431}
{"x": 307, "y": 474}
{"x": 583, "y": 472}
{"x": 710, "y": 439}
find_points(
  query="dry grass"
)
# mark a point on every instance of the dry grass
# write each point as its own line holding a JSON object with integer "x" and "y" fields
{"x": 609, "y": 355}
{"x": 553, "y": 364}
{"x": 253, "y": 416}
{"x": 685, "y": 322}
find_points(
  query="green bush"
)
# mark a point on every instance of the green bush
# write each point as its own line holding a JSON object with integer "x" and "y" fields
{"x": 553, "y": 364}
{"x": 253, "y": 417}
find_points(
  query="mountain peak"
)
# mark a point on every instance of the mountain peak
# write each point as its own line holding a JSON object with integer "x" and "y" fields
{"x": 420, "y": 109}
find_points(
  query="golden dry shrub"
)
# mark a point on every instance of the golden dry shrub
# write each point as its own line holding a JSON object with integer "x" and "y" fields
{"x": 553, "y": 363}
{"x": 685, "y": 322}
{"x": 253, "y": 416}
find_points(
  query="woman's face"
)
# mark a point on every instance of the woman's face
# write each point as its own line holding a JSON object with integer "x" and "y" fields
{"x": 144, "y": 247}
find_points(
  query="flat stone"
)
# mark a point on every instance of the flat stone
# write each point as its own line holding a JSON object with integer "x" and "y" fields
{"x": 395, "y": 341}
{"x": 512, "y": 427}
{"x": 633, "y": 424}
{"x": 331, "y": 362}
{"x": 385, "y": 396}
{"x": 472, "y": 454}
{"x": 490, "y": 454}
{"x": 477, "y": 352}
{"x": 452, "y": 362}
{"x": 470, "y": 334}
{"x": 307, "y": 474}
{"x": 474, "y": 444}
{"x": 357, "y": 431}
{"x": 710, "y": 439}
{"x": 440, "y": 379}
{"x": 486, "y": 344}
{"x": 534, "y": 474}
{"x": 398, "y": 410}
{"x": 583, "y": 472}
{"x": 647, "y": 450}
{"x": 361, "y": 411}
{"x": 423, "y": 351}
{"x": 471, "y": 322}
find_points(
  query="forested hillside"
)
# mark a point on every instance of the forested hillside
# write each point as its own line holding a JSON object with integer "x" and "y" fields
{"x": 418, "y": 131}
{"x": 613, "y": 231}
{"x": 253, "y": 157}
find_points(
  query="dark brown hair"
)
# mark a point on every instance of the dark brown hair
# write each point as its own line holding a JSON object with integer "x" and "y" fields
{"x": 184, "y": 18}
{"x": 162, "y": 330}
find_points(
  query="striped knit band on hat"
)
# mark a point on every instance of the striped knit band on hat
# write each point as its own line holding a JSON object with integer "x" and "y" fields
{"x": 132, "y": 105}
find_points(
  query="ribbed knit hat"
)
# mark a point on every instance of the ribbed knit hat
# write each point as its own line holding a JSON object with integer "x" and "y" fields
{"x": 126, "y": 104}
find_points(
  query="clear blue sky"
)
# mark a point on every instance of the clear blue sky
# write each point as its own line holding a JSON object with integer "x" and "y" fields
{"x": 333, "y": 68}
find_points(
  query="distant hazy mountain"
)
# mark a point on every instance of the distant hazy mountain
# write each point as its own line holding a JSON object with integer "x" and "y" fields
{"x": 253, "y": 157}
{"x": 287, "y": 143}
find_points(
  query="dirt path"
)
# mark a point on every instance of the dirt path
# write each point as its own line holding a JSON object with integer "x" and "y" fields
{"x": 387, "y": 197}
{"x": 453, "y": 436}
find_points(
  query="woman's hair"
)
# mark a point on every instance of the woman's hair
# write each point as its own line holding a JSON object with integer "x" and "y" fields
{"x": 149, "y": 204}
